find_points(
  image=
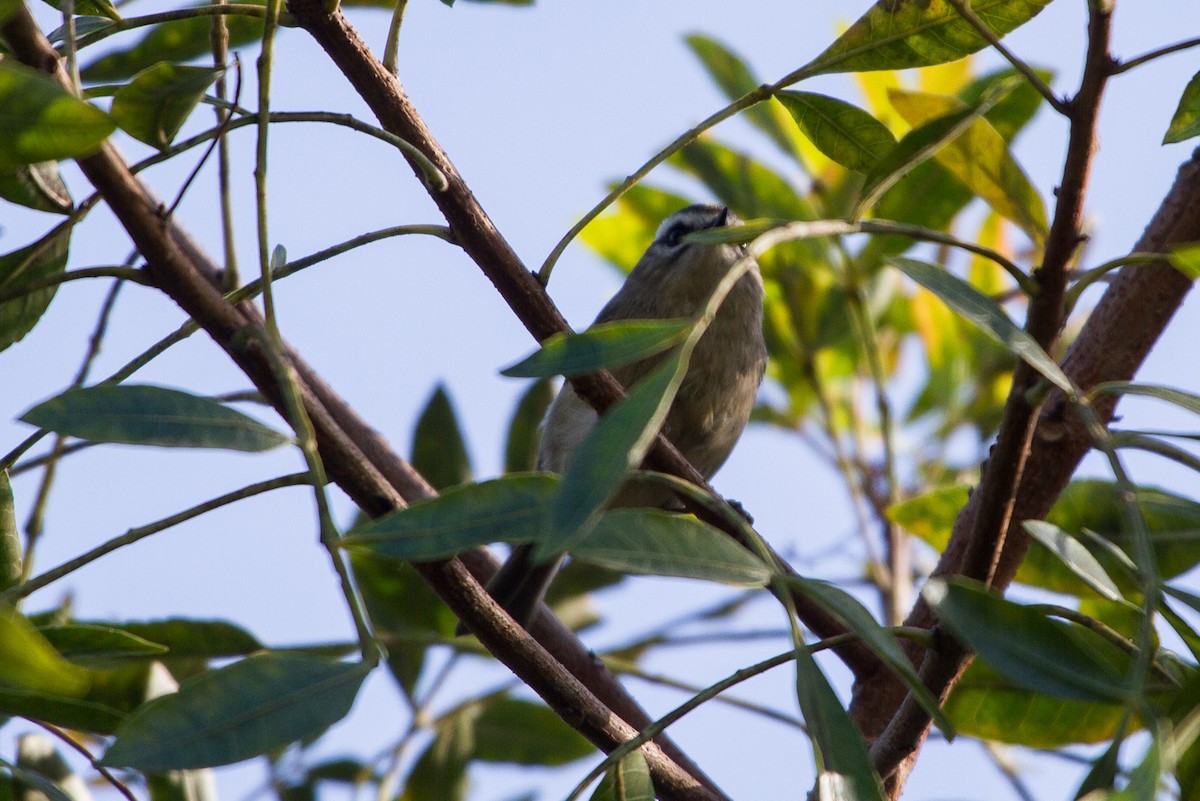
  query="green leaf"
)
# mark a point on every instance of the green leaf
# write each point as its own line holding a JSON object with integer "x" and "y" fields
{"x": 83, "y": 25}
{"x": 1186, "y": 121}
{"x": 36, "y": 186}
{"x": 524, "y": 429}
{"x": 90, "y": 643}
{"x": 654, "y": 542}
{"x": 71, "y": 713}
{"x": 622, "y": 237}
{"x": 601, "y": 347}
{"x": 184, "y": 785}
{"x": 616, "y": 445}
{"x": 10, "y": 540}
{"x": 984, "y": 704}
{"x": 1074, "y": 556}
{"x": 25, "y": 781}
{"x": 1186, "y": 259}
{"x": 628, "y": 780}
{"x": 855, "y": 618}
{"x": 188, "y": 638}
{"x": 439, "y": 451}
{"x": 29, "y": 662}
{"x": 252, "y": 707}
{"x": 844, "y": 768}
{"x": 509, "y": 509}
{"x": 137, "y": 414}
{"x": 41, "y": 121}
{"x": 1026, "y": 647}
{"x": 1184, "y": 400}
{"x": 931, "y": 515}
{"x": 843, "y": 132}
{"x": 735, "y": 79}
{"x": 91, "y": 8}
{"x": 525, "y": 733}
{"x": 155, "y": 104}
{"x": 405, "y": 613}
{"x": 176, "y": 41}
{"x": 980, "y": 159}
{"x": 985, "y": 313}
{"x": 41, "y": 260}
{"x": 440, "y": 773}
{"x": 897, "y": 35}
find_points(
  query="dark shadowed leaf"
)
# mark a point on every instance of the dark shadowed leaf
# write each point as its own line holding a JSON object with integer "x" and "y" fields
{"x": 985, "y": 313}
{"x": 28, "y": 783}
{"x": 845, "y": 770}
{"x": 252, "y": 707}
{"x": 1026, "y": 647}
{"x": 190, "y": 638}
{"x": 138, "y": 414}
{"x": 29, "y": 264}
{"x": 29, "y": 662}
{"x": 36, "y": 186}
{"x": 843, "y": 132}
{"x": 896, "y": 35}
{"x": 525, "y": 733}
{"x": 614, "y": 446}
{"x": 155, "y": 104}
{"x": 1186, "y": 121}
{"x": 601, "y": 347}
{"x": 439, "y": 451}
{"x": 176, "y": 41}
{"x": 11, "y": 549}
{"x": 90, "y": 644}
{"x": 41, "y": 121}
{"x": 509, "y": 509}
{"x": 440, "y": 773}
{"x": 71, "y": 713}
{"x": 90, "y": 8}
{"x": 856, "y": 618}
{"x": 654, "y": 542}
{"x": 628, "y": 780}
{"x": 980, "y": 159}
{"x": 525, "y": 427}
{"x": 984, "y": 704}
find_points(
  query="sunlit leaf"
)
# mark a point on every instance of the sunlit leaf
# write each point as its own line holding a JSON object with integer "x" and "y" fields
{"x": 1023, "y": 645}
{"x": 29, "y": 662}
{"x": 655, "y": 542}
{"x": 601, "y": 347}
{"x": 251, "y": 707}
{"x": 509, "y": 509}
{"x": 138, "y": 414}
{"x": 41, "y": 260}
{"x": 1186, "y": 259}
{"x": 979, "y": 158}
{"x": 157, "y": 102}
{"x": 930, "y": 515}
{"x": 897, "y": 35}
{"x": 1186, "y": 121}
{"x": 843, "y": 132}
{"x": 985, "y": 313}
{"x": 11, "y": 550}
{"x": 439, "y": 450}
{"x": 42, "y": 121}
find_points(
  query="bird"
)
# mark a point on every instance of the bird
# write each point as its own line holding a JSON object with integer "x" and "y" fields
{"x": 672, "y": 279}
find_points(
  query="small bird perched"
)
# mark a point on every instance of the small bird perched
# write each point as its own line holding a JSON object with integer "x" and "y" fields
{"x": 672, "y": 279}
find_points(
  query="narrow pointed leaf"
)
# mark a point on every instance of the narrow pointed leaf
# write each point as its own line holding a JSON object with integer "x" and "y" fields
{"x": 855, "y": 617}
{"x": 1185, "y": 400}
{"x": 34, "y": 783}
{"x": 628, "y": 780}
{"x": 175, "y": 41}
{"x": 897, "y": 35}
{"x": 91, "y": 8}
{"x": 252, "y": 707}
{"x": 601, "y": 347}
{"x": 987, "y": 314}
{"x": 38, "y": 261}
{"x": 1078, "y": 559}
{"x": 41, "y": 121}
{"x": 439, "y": 451}
{"x": 515, "y": 731}
{"x": 843, "y": 132}
{"x": 980, "y": 159}
{"x": 651, "y": 541}
{"x": 1025, "y": 646}
{"x": 509, "y": 509}
{"x": 1185, "y": 123}
{"x": 844, "y": 768}
{"x": 90, "y": 642}
{"x": 524, "y": 429}
{"x": 71, "y": 713}
{"x": 188, "y": 638}
{"x": 11, "y": 551}
{"x": 615, "y": 446}
{"x": 155, "y": 104}
{"x": 145, "y": 415}
{"x": 29, "y": 662}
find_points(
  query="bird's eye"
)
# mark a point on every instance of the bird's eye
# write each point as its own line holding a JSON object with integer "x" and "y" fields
{"x": 674, "y": 234}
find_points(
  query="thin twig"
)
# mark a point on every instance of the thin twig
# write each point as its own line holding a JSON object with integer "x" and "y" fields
{"x": 71, "y": 743}
{"x": 1124, "y": 66}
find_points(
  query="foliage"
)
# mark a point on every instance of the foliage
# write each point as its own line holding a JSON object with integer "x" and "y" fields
{"x": 900, "y": 173}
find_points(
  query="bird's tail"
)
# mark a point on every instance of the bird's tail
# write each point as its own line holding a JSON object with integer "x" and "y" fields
{"x": 520, "y": 585}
